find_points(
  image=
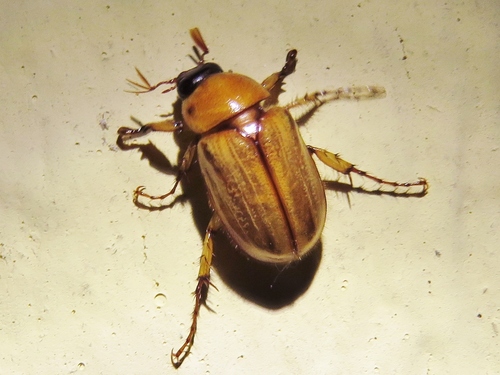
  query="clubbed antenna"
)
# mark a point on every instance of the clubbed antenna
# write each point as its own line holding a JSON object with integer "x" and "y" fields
{"x": 200, "y": 43}
{"x": 145, "y": 86}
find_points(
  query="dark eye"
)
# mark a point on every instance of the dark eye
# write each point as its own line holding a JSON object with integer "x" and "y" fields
{"x": 189, "y": 80}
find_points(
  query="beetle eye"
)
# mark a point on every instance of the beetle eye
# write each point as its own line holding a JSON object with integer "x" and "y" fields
{"x": 189, "y": 80}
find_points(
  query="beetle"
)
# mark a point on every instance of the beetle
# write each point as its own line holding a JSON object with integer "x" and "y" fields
{"x": 262, "y": 183}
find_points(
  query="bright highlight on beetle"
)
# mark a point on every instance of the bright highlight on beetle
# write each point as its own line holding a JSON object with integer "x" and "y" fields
{"x": 262, "y": 182}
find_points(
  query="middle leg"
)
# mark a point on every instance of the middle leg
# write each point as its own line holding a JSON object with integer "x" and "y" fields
{"x": 300, "y": 108}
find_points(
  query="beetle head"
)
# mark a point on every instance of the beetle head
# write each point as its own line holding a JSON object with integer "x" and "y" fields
{"x": 189, "y": 80}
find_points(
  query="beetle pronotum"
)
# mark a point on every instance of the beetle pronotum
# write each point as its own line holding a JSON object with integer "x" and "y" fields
{"x": 262, "y": 182}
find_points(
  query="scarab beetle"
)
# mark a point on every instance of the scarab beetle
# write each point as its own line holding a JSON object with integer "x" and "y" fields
{"x": 262, "y": 182}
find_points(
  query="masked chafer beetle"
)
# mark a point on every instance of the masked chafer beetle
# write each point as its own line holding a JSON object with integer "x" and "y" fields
{"x": 262, "y": 182}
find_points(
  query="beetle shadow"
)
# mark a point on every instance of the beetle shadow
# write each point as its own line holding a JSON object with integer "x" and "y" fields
{"x": 268, "y": 285}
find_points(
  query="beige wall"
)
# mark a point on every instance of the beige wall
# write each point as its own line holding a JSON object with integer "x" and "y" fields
{"x": 91, "y": 284}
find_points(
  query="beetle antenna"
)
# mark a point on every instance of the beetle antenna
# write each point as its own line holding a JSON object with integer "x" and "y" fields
{"x": 145, "y": 86}
{"x": 197, "y": 56}
{"x": 200, "y": 43}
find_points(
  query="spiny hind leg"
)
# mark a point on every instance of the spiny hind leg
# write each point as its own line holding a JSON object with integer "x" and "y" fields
{"x": 201, "y": 291}
{"x": 362, "y": 180}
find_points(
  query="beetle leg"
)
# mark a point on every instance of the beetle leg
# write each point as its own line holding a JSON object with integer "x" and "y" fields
{"x": 378, "y": 185}
{"x": 300, "y": 108}
{"x": 201, "y": 291}
{"x": 187, "y": 161}
{"x": 167, "y": 125}
{"x": 288, "y": 68}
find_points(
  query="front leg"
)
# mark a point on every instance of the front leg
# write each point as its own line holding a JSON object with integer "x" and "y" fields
{"x": 380, "y": 185}
{"x": 167, "y": 125}
{"x": 291, "y": 61}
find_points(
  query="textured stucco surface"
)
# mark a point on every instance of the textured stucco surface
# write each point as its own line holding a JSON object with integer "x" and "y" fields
{"x": 91, "y": 284}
